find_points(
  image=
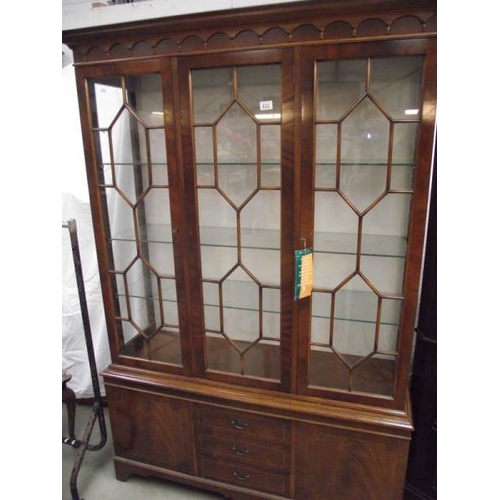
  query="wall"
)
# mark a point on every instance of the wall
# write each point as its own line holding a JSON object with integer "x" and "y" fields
{"x": 85, "y": 13}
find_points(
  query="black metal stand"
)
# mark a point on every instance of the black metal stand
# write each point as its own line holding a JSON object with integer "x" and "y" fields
{"x": 97, "y": 408}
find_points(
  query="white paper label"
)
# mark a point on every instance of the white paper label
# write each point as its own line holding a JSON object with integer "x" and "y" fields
{"x": 266, "y": 105}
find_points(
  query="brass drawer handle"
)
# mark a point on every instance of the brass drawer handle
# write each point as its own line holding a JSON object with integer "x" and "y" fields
{"x": 238, "y": 423}
{"x": 242, "y": 476}
{"x": 240, "y": 450}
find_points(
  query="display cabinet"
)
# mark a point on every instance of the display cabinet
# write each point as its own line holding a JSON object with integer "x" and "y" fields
{"x": 221, "y": 149}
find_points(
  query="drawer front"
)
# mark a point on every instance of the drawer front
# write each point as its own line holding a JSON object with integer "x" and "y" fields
{"x": 228, "y": 423}
{"x": 245, "y": 451}
{"x": 245, "y": 476}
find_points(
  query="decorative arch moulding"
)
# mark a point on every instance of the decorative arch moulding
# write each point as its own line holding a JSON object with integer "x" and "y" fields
{"x": 320, "y": 22}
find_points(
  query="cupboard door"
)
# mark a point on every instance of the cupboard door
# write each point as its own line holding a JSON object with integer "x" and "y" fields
{"x": 335, "y": 463}
{"x": 152, "y": 429}
{"x": 133, "y": 186}
{"x": 238, "y": 134}
{"x": 363, "y": 128}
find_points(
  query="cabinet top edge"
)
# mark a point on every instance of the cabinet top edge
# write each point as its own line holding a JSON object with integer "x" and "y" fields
{"x": 291, "y": 404}
{"x": 304, "y": 11}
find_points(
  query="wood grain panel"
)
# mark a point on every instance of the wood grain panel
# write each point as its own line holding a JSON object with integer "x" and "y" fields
{"x": 151, "y": 429}
{"x": 333, "y": 463}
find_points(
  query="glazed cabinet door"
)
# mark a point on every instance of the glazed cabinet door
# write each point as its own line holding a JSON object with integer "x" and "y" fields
{"x": 238, "y": 167}
{"x": 133, "y": 183}
{"x": 366, "y": 159}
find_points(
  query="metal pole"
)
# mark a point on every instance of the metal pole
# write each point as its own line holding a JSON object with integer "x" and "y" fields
{"x": 97, "y": 409}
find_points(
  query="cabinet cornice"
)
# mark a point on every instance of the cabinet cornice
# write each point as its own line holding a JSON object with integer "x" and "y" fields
{"x": 305, "y": 23}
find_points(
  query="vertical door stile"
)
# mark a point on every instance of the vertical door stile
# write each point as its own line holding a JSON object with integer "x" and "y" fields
{"x": 305, "y": 202}
{"x": 176, "y": 183}
{"x": 191, "y": 237}
{"x": 288, "y": 178}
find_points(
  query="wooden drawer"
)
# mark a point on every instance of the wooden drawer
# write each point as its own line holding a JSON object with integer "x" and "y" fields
{"x": 245, "y": 451}
{"x": 245, "y": 476}
{"x": 232, "y": 424}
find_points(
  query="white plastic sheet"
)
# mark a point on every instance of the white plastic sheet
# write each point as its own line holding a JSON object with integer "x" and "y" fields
{"x": 75, "y": 205}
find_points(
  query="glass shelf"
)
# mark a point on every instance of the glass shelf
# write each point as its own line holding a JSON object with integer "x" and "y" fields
{"x": 363, "y": 163}
{"x": 351, "y": 305}
{"x": 132, "y": 163}
{"x": 211, "y": 163}
{"x": 268, "y": 239}
{"x": 318, "y": 162}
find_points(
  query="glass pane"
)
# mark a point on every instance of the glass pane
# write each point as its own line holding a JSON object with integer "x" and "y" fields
{"x": 212, "y": 92}
{"x": 211, "y": 306}
{"x": 326, "y": 156}
{"x": 364, "y": 154}
{"x": 375, "y": 375}
{"x": 144, "y": 96}
{"x": 361, "y": 220}
{"x": 130, "y": 145}
{"x": 204, "y": 156}
{"x": 340, "y": 85}
{"x": 239, "y": 220}
{"x": 108, "y": 100}
{"x": 259, "y": 88}
{"x": 271, "y": 313}
{"x": 396, "y": 83}
{"x": 334, "y": 234}
{"x": 237, "y": 154}
{"x": 403, "y": 155}
{"x": 270, "y": 153}
{"x": 158, "y": 156}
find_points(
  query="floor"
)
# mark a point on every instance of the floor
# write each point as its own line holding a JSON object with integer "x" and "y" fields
{"x": 96, "y": 478}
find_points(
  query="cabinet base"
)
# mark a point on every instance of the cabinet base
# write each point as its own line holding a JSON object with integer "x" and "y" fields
{"x": 124, "y": 468}
{"x": 249, "y": 445}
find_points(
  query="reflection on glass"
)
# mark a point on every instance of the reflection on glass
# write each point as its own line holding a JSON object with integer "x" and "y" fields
{"x": 204, "y": 156}
{"x": 361, "y": 219}
{"x": 270, "y": 154}
{"x": 130, "y": 146}
{"x": 403, "y": 155}
{"x": 259, "y": 89}
{"x": 365, "y": 140}
{"x": 340, "y": 84}
{"x": 396, "y": 83}
{"x": 212, "y": 92}
{"x": 238, "y": 154}
{"x": 326, "y": 156}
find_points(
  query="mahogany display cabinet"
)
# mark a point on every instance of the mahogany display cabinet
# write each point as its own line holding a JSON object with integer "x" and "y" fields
{"x": 224, "y": 151}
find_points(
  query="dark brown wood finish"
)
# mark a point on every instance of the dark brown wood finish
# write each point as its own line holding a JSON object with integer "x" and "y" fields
{"x": 179, "y": 229}
{"x": 285, "y": 58}
{"x": 310, "y": 22}
{"x": 288, "y": 176}
{"x": 171, "y": 421}
{"x": 418, "y": 215}
{"x": 99, "y": 215}
{"x": 361, "y": 467}
{"x": 151, "y": 429}
{"x": 97, "y": 199}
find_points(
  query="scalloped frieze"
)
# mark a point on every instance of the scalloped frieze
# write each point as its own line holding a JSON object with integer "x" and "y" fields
{"x": 287, "y": 34}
